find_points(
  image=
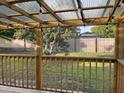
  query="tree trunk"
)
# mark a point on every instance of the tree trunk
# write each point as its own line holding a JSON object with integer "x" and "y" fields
{"x": 24, "y": 44}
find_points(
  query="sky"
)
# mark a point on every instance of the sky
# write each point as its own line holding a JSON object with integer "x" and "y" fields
{"x": 85, "y": 29}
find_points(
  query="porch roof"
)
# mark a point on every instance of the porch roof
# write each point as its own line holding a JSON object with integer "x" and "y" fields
{"x": 47, "y": 13}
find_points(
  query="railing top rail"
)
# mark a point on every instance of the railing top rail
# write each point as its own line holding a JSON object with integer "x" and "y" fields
{"x": 17, "y": 55}
{"x": 121, "y": 61}
{"x": 63, "y": 57}
{"x": 73, "y": 58}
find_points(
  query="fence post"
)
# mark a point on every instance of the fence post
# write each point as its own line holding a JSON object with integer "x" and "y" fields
{"x": 38, "y": 58}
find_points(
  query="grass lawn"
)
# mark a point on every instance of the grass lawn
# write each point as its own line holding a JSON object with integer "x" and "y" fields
{"x": 101, "y": 54}
{"x": 82, "y": 76}
{"x": 56, "y": 73}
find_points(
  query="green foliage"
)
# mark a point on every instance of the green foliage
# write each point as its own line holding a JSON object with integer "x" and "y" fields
{"x": 24, "y": 34}
{"x": 54, "y": 38}
{"x": 7, "y": 32}
{"x": 100, "y": 31}
{"x": 27, "y": 34}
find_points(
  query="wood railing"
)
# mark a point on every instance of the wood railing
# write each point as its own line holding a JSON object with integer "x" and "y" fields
{"x": 17, "y": 71}
{"x": 78, "y": 74}
{"x": 62, "y": 74}
{"x": 120, "y": 75}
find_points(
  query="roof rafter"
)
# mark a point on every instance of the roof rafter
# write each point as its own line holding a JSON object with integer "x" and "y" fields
{"x": 19, "y": 10}
{"x": 42, "y": 3}
{"x": 18, "y": 1}
{"x": 108, "y": 2}
{"x": 113, "y": 9}
{"x": 120, "y": 17}
{"x": 81, "y": 11}
{"x": 13, "y": 19}
{"x": 74, "y": 22}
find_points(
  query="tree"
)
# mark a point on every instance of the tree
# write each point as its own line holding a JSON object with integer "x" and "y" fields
{"x": 7, "y": 32}
{"x": 104, "y": 31}
{"x": 54, "y": 39}
{"x": 24, "y": 34}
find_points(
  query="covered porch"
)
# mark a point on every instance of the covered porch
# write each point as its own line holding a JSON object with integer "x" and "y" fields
{"x": 62, "y": 74}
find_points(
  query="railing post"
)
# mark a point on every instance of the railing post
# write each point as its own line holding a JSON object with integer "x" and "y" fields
{"x": 38, "y": 58}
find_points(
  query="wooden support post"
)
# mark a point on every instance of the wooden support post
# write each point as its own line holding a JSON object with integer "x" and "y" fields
{"x": 38, "y": 58}
{"x": 121, "y": 41}
{"x": 116, "y": 56}
{"x": 119, "y": 54}
{"x": 117, "y": 42}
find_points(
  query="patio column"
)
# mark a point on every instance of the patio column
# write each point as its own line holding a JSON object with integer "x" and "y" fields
{"x": 117, "y": 41}
{"x": 121, "y": 41}
{"x": 38, "y": 58}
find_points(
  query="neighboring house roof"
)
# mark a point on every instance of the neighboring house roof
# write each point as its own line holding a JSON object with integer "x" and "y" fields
{"x": 88, "y": 35}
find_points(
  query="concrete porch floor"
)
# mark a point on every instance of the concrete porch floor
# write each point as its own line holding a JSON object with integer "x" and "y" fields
{"x": 7, "y": 89}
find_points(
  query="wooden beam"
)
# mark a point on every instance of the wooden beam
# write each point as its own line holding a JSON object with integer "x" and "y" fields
{"x": 81, "y": 11}
{"x": 13, "y": 19}
{"x": 113, "y": 9}
{"x": 108, "y": 2}
{"x": 19, "y": 10}
{"x": 75, "y": 7}
{"x": 18, "y": 1}
{"x": 43, "y": 4}
{"x": 120, "y": 17}
{"x": 75, "y": 22}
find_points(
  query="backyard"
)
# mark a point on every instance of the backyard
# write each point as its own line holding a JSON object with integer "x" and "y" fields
{"x": 62, "y": 46}
{"x": 86, "y": 54}
{"x": 83, "y": 75}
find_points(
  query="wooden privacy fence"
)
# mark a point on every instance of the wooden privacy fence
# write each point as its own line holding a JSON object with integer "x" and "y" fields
{"x": 62, "y": 74}
{"x": 120, "y": 75}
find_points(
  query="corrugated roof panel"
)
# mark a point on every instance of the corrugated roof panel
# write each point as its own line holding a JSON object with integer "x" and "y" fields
{"x": 61, "y": 4}
{"x": 68, "y": 15}
{"x": 112, "y": 2}
{"x": 45, "y": 17}
{"x": 24, "y": 18}
{"x": 107, "y": 13}
{"x": 7, "y": 11}
{"x": 119, "y": 10}
{"x": 93, "y": 13}
{"x": 93, "y": 3}
{"x": 30, "y": 7}
{"x": 5, "y": 20}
